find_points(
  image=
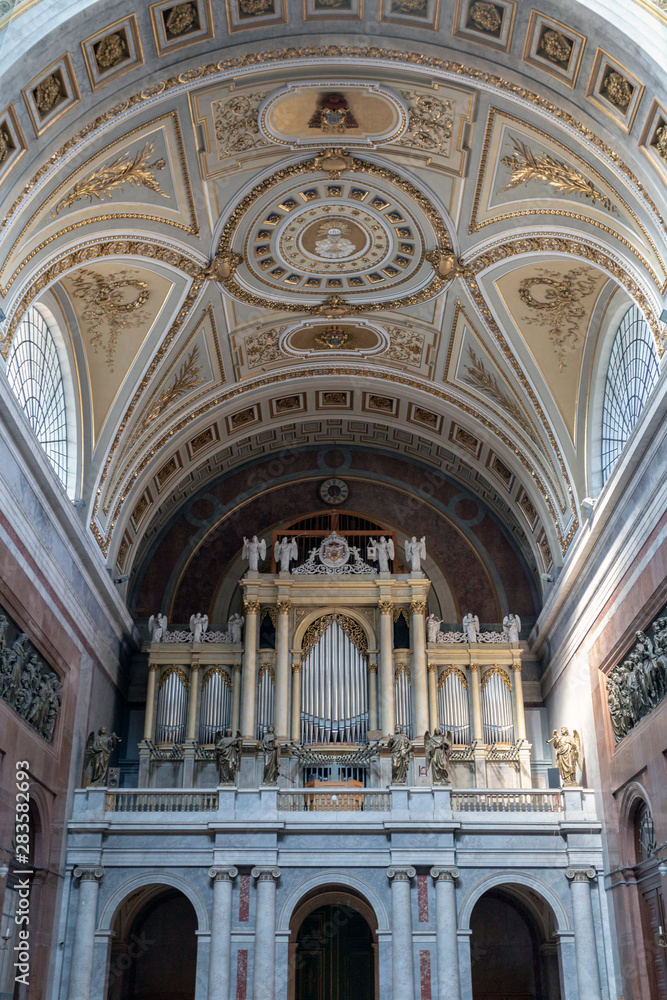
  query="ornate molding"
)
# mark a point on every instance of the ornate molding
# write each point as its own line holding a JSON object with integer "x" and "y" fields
{"x": 418, "y": 607}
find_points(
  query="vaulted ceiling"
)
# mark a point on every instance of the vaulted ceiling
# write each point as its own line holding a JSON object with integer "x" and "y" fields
{"x": 405, "y": 226}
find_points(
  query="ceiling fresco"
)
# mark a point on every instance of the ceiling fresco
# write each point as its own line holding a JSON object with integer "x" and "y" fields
{"x": 386, "y": 225}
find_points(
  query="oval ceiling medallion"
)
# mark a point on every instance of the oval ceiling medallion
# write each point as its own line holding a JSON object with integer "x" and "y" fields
{"x": 301, "y": 237}
{"x": 315, "y": 114}
{"x": 312, "y": 337}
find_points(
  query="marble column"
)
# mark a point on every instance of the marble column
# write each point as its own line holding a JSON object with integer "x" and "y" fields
{"x": 585, "y": 946}
{"x": 81, "y": 966}
{"x": 432, "y": 695}
{"x": 420, "y": 686}
{"x": 264, "y": 965}
{"x": 236, "y": 697}
{"x": 149, "y": 720}
{"x": 282, "y": 669}
{"x": 372, "y": 691}
{"x": 449, "y": 986}
{"x": 386, "y": 667}
{"x": 249, "y": 689}
{"x": 477, "y": 729}
{"x": 402, "y": 956}
{"x": 193, "y": 698}
{"x": 221, "y": 933}
{"x": 519, "y": 712}
{"x": 296, "y": 696}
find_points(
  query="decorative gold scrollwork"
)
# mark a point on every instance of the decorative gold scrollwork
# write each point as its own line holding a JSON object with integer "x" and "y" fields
{"x": 350, "y": 627}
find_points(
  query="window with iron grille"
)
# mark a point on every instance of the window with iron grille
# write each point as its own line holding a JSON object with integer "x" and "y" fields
{"x": 35, "y": 375}
{"x": 631, "y": 375}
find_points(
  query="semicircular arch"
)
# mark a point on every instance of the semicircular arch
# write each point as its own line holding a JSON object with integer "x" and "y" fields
{"x": 155, "y": 878}
{"x": 333, "y": 878}
{"x": 509, "y": 878}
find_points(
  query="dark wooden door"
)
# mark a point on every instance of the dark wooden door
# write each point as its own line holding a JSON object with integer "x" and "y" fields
{"x": 334, "y": 956}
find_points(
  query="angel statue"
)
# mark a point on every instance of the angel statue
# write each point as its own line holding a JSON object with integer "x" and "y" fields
{"x": 471, "y": 627}
{"x": 228, "y": 755}
{"x": 234, "y": 626}
{"x": 253, "y": 551}
{"x": 157, "y": 626}
{"x": 436, "y": 749}
{"x": 198, "y": 625}
{"x": 285, "y": 552}
{"x": 432, "y": 627}
{"x": 98, "y": 751}
{"x": 271, "y": 751}
{"x": 400, "y": 749}
{"x": 568, "y": 754}
{"x": 512, "y": 627}
{"x": 381, "y": 551}
{"x": 415, "y": 551}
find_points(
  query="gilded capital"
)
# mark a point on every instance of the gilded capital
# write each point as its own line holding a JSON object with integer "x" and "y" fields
{"x": 418, "y": 607}
{"x": 431, "y": 667}
{"x": 251, "y": 607}
{"x": 385, "y": 607}
{"x": 152, "y": 666}
{"x": 474, "y": 667}
{"x": 283, "y": 607}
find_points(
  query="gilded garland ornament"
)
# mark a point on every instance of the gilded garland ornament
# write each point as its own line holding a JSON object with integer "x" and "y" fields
{"x": 125, "y": 169}
{"x": 527, "y": 166}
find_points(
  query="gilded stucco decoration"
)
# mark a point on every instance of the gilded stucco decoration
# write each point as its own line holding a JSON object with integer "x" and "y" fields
{"x": 187, "y": 378}
{"x": 350, "y": 627}
{"x": 430, "y": 123}
{"x": 405, "y": 346}
{"x": 479, "y": 376}
{"x": 555, "y": 304}
{"x": 113, "y": 304}
{"x": 526, "y": 166}
{"x": 263, "y": 347}
{"x": 236, "y": 126}
{"x": 101, "y": 184}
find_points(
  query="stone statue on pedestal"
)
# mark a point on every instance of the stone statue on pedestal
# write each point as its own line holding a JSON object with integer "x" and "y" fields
{"x": 235, "y": 626}
{"x": 228, "y": 755}
{"x": 198, "y": 625}
{"x": 471, "y": 627}
{"x": 400, "y": 749}
{"x": 437, "y": 748}
{"x": 98, "y": 751}
{"x": 285, "y": 552}
{"x": 157, "y": 626}
{"x": 568, "y": 754}
{"x": 253, "y": 551}
{"x": 512, "y": 627}
{"x": 415, "y": 551}
{"x": 432, "y": 628}
{"x": 381, "y": 552}
{"x": 271, "y": 751}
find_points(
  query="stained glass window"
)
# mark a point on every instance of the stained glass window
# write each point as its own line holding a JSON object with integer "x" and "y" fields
{"x": 36, "y": 377}
{"x": 631, "y": 375}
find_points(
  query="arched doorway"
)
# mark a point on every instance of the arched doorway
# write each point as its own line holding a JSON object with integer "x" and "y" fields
{"x": 513, "y": 949}
{"x": 154, "y": 952}
{"x": 333, "y": 948}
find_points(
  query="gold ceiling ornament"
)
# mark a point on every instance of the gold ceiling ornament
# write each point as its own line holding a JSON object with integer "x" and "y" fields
{"x": 559, "y": 308}
{"x": 486, "y": 382}
{"x": 263, "y": 347}
{"x": 236, "y": 126}
{"x": 185, "y": 380}
{"x": 333, "y": 339}
{"x": 430, "y": 122}
{"x": 528, "y": 166}
{"x": 617, "y": 90}
{"x": 125, "y": 169}
{"x": 6, "y": 145}
{"x": 113, "y": 303}
{"x": 48, "y": 93}
{"x": 405, "y": 345}
{"x": 181, "y": 18}
{"x": 333, "y": 307}
{"x": 111, "y": 51}
{"x": 336, "y": 53}
{"x": 485, "y": 15}
{"x": 222, "y": 267}
{"x": 446, "y": 264}
{"x": 333, "y": 162}
{"x": 660, "y": 140}
{"x": 350, "y": 627}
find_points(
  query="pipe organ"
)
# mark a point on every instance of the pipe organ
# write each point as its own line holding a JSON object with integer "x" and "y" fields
{"x": 497, "y": 712}
{"x": 215, "y": 712}
{"x": 403, "y": 699}
{"x": 453, "y": 710}
{"x": 265, "y": 699}
{"x": 334, "y": 683}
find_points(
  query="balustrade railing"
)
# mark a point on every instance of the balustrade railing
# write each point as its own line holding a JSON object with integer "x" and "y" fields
{"x": 159, "y": 801}
{"x": 307, "y": 800}
{"x": 536, "y": 801}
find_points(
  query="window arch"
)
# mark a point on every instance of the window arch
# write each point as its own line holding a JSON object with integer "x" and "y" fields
{"x": 632, "y": 373}
{"x": 35, "y": 374}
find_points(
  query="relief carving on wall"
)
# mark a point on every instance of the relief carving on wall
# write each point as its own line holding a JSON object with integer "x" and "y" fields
{"x": 27, "y": 684}
{"x": 263, "y": 347}
{"x": 637, "y": 685}
{"x": 125, "y": 169}
{"x": 529, "y": 166}
{"x": 558, "y": 306}
{"x": 405, "y": 346}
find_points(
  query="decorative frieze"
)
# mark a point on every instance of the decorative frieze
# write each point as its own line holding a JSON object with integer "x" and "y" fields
{"x": 27, "y": 684}
{"x": 639, "y": 683}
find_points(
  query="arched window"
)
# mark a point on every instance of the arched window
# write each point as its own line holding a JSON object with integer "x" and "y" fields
{"x": 36, "y": 378}
{"x": 645, "y": 839}
{"x": 631, "y": 375}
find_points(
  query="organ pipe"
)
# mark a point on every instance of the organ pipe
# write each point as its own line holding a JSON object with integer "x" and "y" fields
{"x": 453, "y": 714}
{"x": 334, "y": 690}
{"x": 497, "y": 707}
{"x": 216, "y": 704}
{"x": 265, "y": 699}
{"x": 172, "y": 705}
{"x": 403, "y": 699}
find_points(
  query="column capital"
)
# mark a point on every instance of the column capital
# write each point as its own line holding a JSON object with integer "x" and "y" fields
{"x": 418, "y": 607}
{"x": 445, "y": 874}
{"x": 153, "y": 665}
{"x": 266, "y": 874}
{"x": 227, "y": 874}
{"x": 94, "y": 873}
{"x": 516, "y": 666}
{"x": 474, "y": 667}
{"x": 401, "y": 874}
{"x": 385, "y": 607}
{"x": 283, "y": 607}
{"x": 431, "y": 667}
{"x": 576, "y": 873}
{"x": 373, "y": 667}
{"x": 251, "y": 607}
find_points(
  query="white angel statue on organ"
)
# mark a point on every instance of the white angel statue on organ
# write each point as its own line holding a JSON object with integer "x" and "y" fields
{"x": 198, "y": 625}
{"x": 285, "y": 552}
{"x": 157, "y": 626}
{"x": 253, "y": 551}
{"x": 381, "y": 551}
{"x": 415, "y": 551}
